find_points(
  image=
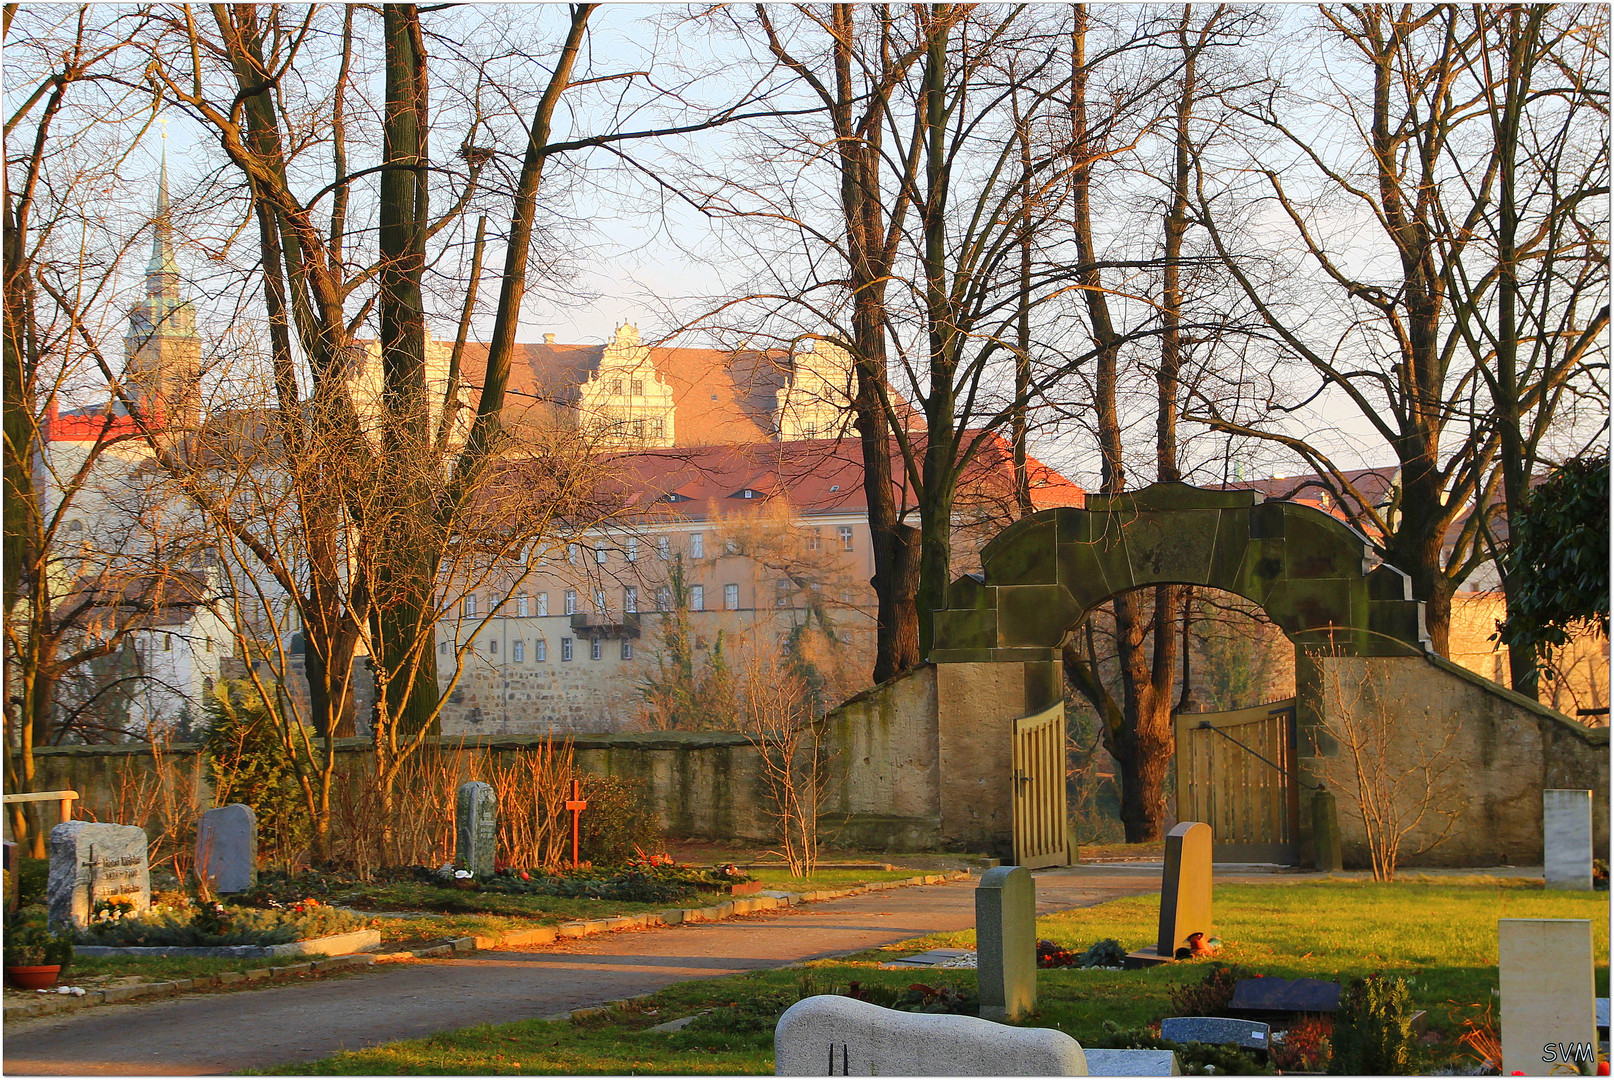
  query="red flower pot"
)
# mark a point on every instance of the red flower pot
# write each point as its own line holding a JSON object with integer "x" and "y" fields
{"x": 42, "y": 977}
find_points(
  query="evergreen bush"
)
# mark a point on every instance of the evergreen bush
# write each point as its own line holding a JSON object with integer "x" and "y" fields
{"x": 618, "y": 822}
{"x": 1373, "y": 1028}
{"x": 248, "y": 763}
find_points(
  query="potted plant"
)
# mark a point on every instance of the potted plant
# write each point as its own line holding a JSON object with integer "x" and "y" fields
{"x": 34, "y": 956}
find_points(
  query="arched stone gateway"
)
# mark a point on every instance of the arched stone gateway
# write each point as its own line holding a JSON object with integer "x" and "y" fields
{"x": 1308, "y": 570}
{"x": 966, "y": 751}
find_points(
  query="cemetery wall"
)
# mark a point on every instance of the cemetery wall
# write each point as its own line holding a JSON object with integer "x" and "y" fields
{"x": 1496, "y": 749}
{"x": 705, "y": 784}
{"x": 886, "y": 766}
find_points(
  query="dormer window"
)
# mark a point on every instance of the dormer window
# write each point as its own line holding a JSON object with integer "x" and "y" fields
{"x": 674, "y": 497}
{"x": 747, "y": 493}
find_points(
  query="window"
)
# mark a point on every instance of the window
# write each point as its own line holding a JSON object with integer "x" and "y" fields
{"x": 596, "y": 649}
{"x": 521, "y": 606}
{"x": 571, "y": 601}
{"x": 731, "y": 546}
{"x": 616, "y": 386}
{"x": 565, "y": 648}
{"x": 540, "y": 650}
{"x": 208, "y": 645}
{"x": 571, "y": 554}
{"x": 469, "y": 606}
{"x": 493, "y": 647}
{"x": 809, "y": 431}
{"x": 658, "y": 427}
{"x": 697, "y": 545}
{"x": 599, "y": 601}
{"x": 663, "y": 548}
{"x": 638, "y": 429}
{"x": 442, "y": 646}
{"x": 731, "y": 597}
{"x": 697, "y": 598}
{"x": 636, "y": 387}
{"x": 633, "y": 549}
{"x": 168, "y": 643}
{"x": 781, "y": 594}
{"x": 75, "y": 526}
{"x": 664, "y": 599}
{"x": 599, "y": 553}
{"x": 845, "y": 532}
{"x": 518, "y": 650}
{"x": 630, "y": 599}
{"x": 543, "y": 603}
{"x": 815, "y": 542}
{"x": 627, "y": 649}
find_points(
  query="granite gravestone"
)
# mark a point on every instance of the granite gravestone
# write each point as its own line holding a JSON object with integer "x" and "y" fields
{"x": 91, "y": 862}
{"x": 1185, "y": 896}
{"x": 1219, "y": 1030}
{"x": 1271, "y": 994}
{"x": 1566, "y": 838}
{"x": 227, "y": 848}
{"x": 476, "y": 827}
{"x": 1549, "y": 1014}
{"x": 830, "y": 1035}
{"x": 1006, "y": 942}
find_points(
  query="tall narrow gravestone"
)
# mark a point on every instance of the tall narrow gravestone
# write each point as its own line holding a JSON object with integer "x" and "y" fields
{"x": 1006, "y": 942}
{"x": 1549, "y": 1011}
{"x": 227, "y": 848}
{"x": 476, "y": 827}
{"x": 91, "y": 862}
{"x": 1185, "y": 888}
{"x": 1185, "y": 895}
{"x": 1566, "y": 838}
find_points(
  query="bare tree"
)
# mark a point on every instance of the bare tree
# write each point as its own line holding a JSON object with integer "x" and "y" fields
{"x": 1462, "y": 258}
{"x": 1394, "y": 772}
{"x": 776, "y": 713}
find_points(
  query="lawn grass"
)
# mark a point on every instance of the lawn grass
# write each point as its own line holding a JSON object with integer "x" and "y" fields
{"x": 428, "y": 912}
{"x": 1439, "y": 933}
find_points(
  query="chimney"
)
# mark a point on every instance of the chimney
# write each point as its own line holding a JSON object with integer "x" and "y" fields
{"x": 549, "y": 339}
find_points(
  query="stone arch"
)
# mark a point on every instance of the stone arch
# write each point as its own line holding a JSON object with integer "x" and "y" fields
{"x": 1308, "y": 570}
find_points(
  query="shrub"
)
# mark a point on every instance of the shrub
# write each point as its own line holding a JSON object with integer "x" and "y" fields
{"x": 1108, "y": 953}
{"x": 33, "y": 875}
{"x": 1212, "y": 994}
{"x": 1373, "y": 1028}
{"x": 618, "y": 820}
{"x": 1303, "y": 1048}
{"x": 30, "y": 944}
{"x": 248, "y": 763}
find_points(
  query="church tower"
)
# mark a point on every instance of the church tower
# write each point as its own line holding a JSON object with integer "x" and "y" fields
{"x": 162, "y": 365}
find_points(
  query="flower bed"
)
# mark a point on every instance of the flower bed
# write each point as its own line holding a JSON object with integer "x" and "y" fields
{"x": 179, "y": 921}
{"x": 649, "y": 880}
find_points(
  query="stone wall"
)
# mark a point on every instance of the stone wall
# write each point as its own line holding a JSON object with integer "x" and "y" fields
{"x": 1494, "y": 750}
{"x": 885, "y": 766}
{"x": 702, "y": 784}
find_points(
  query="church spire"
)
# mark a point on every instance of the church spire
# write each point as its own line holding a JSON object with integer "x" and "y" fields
{"x": 162, "y": 272}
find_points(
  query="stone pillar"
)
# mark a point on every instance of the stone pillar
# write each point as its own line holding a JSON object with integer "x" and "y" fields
{"x": 1566, "y": 839}
{"x": 1006, "y": 942}
{"x": 1328, "y": 855}
{"x": 476, "y": 827}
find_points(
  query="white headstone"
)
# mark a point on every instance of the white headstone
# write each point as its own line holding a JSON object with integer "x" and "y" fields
{"x": 91, "y": 862}
{"x": 840, "y": 1036}
{"x": 1549, "y": 1016}
{"x": 476, "y": 827}
{"x": 1566, "y": 838}
{"x": 1132, "y": 1062}
{"x": 227, "y": 848}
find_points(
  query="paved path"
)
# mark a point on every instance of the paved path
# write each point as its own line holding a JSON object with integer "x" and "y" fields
{"x": 209, "y": 1033}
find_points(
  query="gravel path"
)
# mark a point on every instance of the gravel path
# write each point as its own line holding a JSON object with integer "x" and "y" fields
{"x": 213, "y": 1033}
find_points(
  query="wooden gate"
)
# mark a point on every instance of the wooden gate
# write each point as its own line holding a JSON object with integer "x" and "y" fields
{"x": 1041, "y": 834}
{"x": 1235, "y": 772}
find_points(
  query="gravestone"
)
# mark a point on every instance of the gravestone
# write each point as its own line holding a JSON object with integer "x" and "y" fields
{"x": 1132, "y": 1062}
{"x": 1006, "y": 942}
{"x": 476, "y": 827}
{"x": 227, "y": 848}
{"x": 1549, "y": 1014}
{"x": 1271, "y": 994}
{"x": 830, "y": 1035}
{"x": 91, "y": 862}
{"x": 1218, "y": 1030}
{"x": 1566, "y": 838}
{"x": 1185, "y": 895}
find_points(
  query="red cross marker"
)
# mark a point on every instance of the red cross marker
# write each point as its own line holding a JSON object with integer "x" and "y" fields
{"x": 576, "y": 804}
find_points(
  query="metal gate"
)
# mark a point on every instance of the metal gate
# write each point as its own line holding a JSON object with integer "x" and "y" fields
{"x": 1235, "y": 772}
{"x": 1041, "y": 834}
